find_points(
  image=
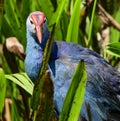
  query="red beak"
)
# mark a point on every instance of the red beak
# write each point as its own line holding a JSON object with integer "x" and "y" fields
{"x": 39, "y": 33}
{"x": 38, "y": 20}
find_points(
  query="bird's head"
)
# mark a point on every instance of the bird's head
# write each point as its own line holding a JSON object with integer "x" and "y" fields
{"x": 37, "y": 25}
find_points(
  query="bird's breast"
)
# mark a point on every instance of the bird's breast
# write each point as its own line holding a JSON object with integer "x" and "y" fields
{"x": 62, "y": 71}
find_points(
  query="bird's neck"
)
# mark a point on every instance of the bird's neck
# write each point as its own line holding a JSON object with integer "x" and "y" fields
{"x": 32, "y": 41}
{"x": 34, "y": 45}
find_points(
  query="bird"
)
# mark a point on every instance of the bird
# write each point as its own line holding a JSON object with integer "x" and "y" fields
{"x": 102, "y": 95}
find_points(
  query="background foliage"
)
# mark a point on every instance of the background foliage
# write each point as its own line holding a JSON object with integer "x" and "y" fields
{"x": 76, "y": 21}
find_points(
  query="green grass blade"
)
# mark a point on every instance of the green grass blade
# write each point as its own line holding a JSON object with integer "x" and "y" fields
{"x": 91, "y": 23}
{"x": 22, "y": 80}
{"x": 78, "y": 100}
{"x": 57, "y": 15}
{"x": 2, "y": 90}
{"x": 114, "y": 33}
{"x": 72, "y": 33}
{"x": 46, "y": 7}
{"x": 112, "y": 52}
{"x": 75, "y": 95}
{"x": 41, "y": 76}
{"x": 46, "y": 108}
{"x": 15, "y": 112}
{"x": 113, "y": 49}
{"x": 10, "y": 8}
{"x": 114, "y": 45}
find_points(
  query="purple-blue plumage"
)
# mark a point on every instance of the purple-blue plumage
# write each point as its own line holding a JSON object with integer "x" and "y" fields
{"x": 103, "y": 82}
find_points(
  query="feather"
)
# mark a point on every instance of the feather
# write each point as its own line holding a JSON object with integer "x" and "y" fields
{"x": 102, "y": 94}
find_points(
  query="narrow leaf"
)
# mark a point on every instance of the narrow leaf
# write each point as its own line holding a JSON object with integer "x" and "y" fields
{"x": 2, "y": 90}
{"x": 22, "y": 80}
{"x": 91, "y": 23}
{"x": 112, "y": 52}
{"x": 72, "y": 33}
{"x": 46, "y": 108}
{"x": 113, "y": 49}
{"x": 46, "y": 6}
{"x": 57, "y": 15}
{"x": 115, "y": 34}
{"x": 75, "y": 95}
{"x": 41, "y": 76}
{"x": 114, "y": 45}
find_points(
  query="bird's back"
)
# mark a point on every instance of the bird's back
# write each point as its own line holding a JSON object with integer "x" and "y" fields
{"x": 103, "y": 82}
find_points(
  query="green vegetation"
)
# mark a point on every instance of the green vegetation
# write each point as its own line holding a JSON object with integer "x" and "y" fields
{"x": 93, "y": 24}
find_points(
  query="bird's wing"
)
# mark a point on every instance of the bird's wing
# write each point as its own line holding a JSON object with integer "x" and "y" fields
{"x": 94, "y": 61}
{"x": 103, "y": 82}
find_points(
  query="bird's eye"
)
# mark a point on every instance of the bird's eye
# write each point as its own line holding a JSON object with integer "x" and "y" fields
{"x": 45, "y": 20}
{"x": 31, "y": 21}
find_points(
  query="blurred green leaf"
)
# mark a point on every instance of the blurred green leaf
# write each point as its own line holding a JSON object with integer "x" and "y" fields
{"x": 2, "y": 90}
{"x": 46, "y": 7}
{"x": 108, "y": 5}
{"x": 75, "y": 95}
{"x": 113, "y": 49}
{"x": 10, "y": 10}
{"x": 13, "y": 23}
{"x": 15, "y": 112}
{"x": 57, "y": 15}
{"x": 115, "y": 34}
{"x": 22, "y": 80}
{"x": 91, "y": 23}
{"x": 46, "y": 108}
{"x": 72, "y": 33}
{"x": 26, "y": 6}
